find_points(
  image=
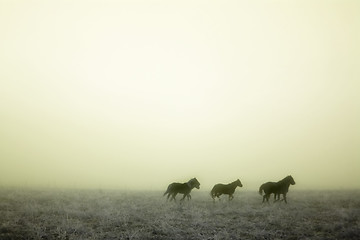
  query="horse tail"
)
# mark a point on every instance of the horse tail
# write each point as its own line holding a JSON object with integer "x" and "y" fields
{"x": 213, "y": 192}
{"x": 261, "y": 189}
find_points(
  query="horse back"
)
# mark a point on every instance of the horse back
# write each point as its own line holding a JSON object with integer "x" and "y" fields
{"x": 222, "y": 188}
{"x": 217, "y": 187}
{"x": 178, "y": 188}
{"x": 274, "y": 187}
{"x": 268, "y": 187}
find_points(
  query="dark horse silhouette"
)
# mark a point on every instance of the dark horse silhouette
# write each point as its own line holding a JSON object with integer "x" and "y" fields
{"x": 229, "y": 189}
{"x": 280, "y": 187}
{"x": 184, "y": 188}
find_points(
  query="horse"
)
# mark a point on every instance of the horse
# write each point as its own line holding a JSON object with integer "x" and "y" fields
{"x": 280, "y": 187}
{"x": 229, "y": 189}
{"x": 183, "y": 188}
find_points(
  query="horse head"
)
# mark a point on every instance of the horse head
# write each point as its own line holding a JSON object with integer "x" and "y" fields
{"x": 238, "y": 183}
{"x": 291, "y": 180}
{"x": 194, "y": 183}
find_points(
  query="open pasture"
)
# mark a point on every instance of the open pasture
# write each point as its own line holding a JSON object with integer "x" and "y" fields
{"x": 102, "y": 214}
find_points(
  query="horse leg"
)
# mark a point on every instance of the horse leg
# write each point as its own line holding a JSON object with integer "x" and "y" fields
{"x": 218, "y": 196}
{"x": 173, "y": 197}
{"x": 183, "y": 197}
{"x": 213, "y": 196}
{"x": 285, "y": 198}
{"x": 278, "y": 197}
{"x": 230, "y": 197}
{"x": 267, "y": 196}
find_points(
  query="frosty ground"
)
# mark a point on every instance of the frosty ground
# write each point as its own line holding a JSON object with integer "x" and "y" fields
{"x": 100, "y": 214}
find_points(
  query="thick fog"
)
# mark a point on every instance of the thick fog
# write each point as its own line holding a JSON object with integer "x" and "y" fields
{"x": 139, "y": 94}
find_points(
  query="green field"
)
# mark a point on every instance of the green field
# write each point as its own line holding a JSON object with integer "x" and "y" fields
{"x": 103, "y": 214}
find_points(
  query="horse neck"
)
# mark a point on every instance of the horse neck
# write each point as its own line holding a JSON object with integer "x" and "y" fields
{"x": 285, "y": 182}
{"x": 233, "y": 185}
{"x": 190, "y": 184}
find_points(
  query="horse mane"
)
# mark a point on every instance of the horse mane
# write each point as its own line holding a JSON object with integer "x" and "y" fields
{"x": 285, "y": 179}
{"x": 191, "y": 182}
{"x": 233, "y": 183}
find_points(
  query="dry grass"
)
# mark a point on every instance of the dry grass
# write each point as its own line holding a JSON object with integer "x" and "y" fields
{"x": 35, "y": 214}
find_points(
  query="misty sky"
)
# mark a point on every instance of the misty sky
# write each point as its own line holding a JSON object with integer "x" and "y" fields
{"x": 139, "y": 94}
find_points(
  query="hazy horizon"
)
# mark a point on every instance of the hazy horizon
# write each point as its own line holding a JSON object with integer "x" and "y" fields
{"x": 139, "y": 94}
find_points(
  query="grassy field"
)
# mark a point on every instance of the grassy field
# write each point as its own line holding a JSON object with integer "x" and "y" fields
{"x": 97, "y": 214}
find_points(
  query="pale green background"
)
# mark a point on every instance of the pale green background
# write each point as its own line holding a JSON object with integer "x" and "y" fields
{"x": 138, "y": 94}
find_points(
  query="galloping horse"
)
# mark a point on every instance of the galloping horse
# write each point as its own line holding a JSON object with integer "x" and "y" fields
{"x": 280, "y": 187}
{"x": 229, "y": 189}
{"x": 184, "y": 188}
